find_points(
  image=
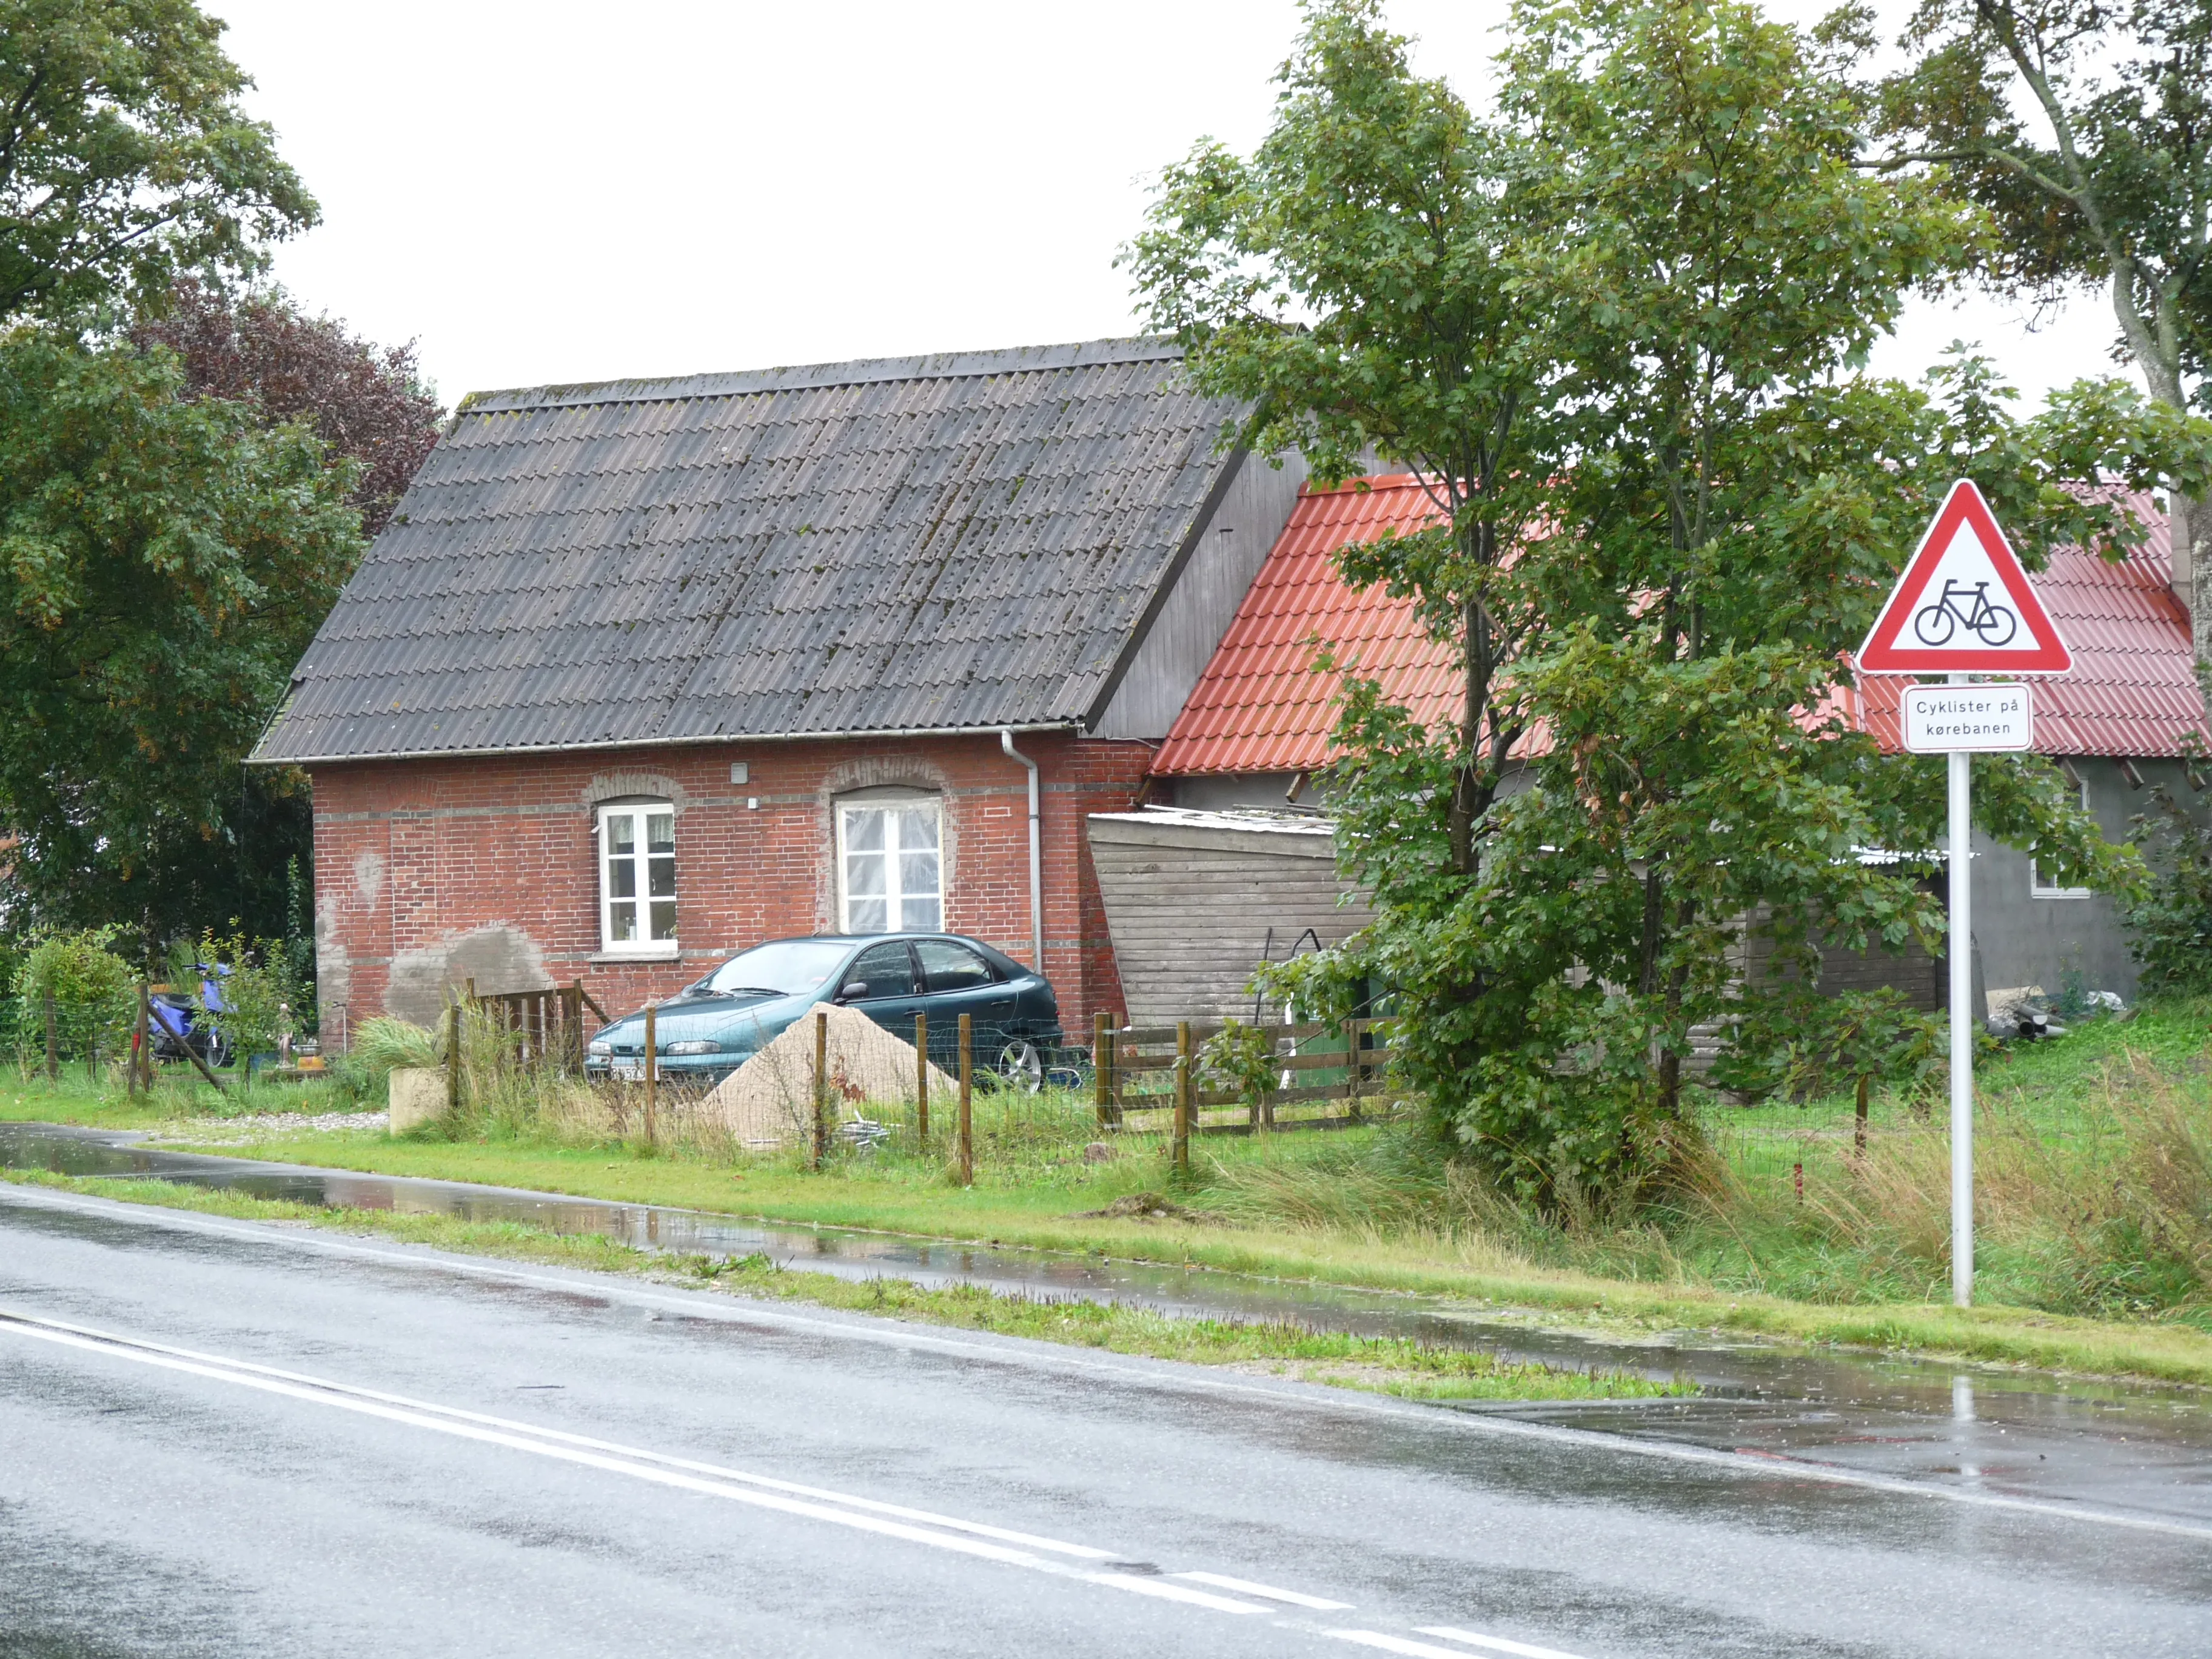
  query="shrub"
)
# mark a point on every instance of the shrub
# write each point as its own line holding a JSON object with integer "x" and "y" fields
{"x": 254, "y": 983}
{"x": 2172, "y": 922}
{"x": 90, "y": 984}
{"x": 1241, "y": 1057}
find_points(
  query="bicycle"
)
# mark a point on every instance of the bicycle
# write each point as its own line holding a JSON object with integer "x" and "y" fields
{"x": 1934, "y": 624}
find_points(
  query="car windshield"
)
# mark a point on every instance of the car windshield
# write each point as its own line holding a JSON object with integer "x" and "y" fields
{"x": 789, "y": 967}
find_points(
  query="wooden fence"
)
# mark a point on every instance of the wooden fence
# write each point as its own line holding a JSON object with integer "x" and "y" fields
{"x": 1327, "y": 1077}
{"x": 544, "y": 1027}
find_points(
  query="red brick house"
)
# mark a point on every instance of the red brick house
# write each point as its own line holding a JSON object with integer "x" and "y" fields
{"x": 642, "y": 673}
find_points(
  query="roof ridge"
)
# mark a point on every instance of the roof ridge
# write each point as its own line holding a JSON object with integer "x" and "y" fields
{"x": 865, "y": 370}
{"x": 1371, "y": 484}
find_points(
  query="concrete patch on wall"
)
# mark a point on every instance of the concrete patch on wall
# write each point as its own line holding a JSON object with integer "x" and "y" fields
{"x": 333, "y": 967}
{"x": 368, "y": 880}
{"x": 498, "y": 959}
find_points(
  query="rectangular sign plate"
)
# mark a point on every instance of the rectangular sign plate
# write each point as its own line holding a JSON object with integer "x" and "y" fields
{"x": 1940, "y": 720}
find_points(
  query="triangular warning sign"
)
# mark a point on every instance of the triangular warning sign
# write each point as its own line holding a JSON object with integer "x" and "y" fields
{"x": 1964, "y": 605}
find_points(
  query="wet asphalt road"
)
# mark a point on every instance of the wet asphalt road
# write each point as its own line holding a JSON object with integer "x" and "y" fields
{"x": 306, "y": 1444}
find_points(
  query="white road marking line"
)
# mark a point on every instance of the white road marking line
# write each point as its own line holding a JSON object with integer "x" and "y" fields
{"x": 1167, "y": 1592}
{"x": 714, "y": 1471}
{"x": 1247, "y": 1587}
{"x": 527, "y": 1441}
{"x": 890, "y": 1333}
{"x": 1375, "y": 1639}
{"x": 1495, "y": 1643}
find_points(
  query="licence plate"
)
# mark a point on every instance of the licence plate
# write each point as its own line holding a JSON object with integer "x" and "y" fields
{"x": 627, "y": 1071}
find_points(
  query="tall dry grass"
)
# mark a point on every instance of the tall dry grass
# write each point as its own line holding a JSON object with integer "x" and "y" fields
{"x": 2113, "y": 1218}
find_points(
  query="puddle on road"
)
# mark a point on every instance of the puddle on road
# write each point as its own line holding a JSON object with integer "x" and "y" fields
{"x": 2139, "y": 1448}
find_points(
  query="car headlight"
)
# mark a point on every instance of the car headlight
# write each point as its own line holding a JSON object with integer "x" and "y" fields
{"x": 695, "y": 1047}
{"x": 601, "y": 1047}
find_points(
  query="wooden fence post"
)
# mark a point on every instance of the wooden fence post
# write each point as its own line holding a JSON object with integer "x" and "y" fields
{"x": 1859, "y": 1121}
{"x": 1181, "y": 1149}
{"x": 453, "y": 1057}
{"x": 1102, "y": 1066}
{"x": 821, "y": 1087}
{"x": 967, "y": 1123}
{"x": 652, "y": 1070}
{"x": 54, "y": 1044}
{"x": 921, "y": 1079}
{"x": 1352, "y": 1035}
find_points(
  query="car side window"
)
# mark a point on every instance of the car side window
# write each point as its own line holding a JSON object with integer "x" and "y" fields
{"x": 949, "y": 967}
{"x": 886, "y": 968}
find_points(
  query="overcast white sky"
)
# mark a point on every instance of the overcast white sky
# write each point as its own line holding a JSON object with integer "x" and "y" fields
{"x": 545, "y": 191}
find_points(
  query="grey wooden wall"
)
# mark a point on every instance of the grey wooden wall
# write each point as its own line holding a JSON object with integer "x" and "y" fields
{"x": 1193, "y": 902}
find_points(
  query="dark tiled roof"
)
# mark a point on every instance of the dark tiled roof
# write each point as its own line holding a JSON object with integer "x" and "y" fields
{"x": 920, "y": 544}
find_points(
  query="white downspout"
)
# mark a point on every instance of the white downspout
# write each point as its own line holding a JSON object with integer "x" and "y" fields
{"x": 1036, "y": 854}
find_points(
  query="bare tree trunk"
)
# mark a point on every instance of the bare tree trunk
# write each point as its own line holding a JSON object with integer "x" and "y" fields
{"x": 1471, "y": 793}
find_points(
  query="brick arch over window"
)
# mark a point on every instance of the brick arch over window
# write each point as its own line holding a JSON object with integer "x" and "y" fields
{"x": 640, "y": 786}
{"x": 885, "y": 772}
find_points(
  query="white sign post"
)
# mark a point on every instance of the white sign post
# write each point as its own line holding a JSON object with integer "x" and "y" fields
{"x": 1943, "y": 618}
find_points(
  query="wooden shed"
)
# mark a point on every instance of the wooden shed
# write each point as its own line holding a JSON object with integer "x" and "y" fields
{"x": 1195, "y": 901}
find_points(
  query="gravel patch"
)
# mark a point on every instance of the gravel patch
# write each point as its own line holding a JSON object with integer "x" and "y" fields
{"x": 265, "y": 1126}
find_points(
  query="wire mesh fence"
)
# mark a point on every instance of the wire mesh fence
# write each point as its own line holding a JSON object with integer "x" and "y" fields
{"x": 1782, "y": 1141}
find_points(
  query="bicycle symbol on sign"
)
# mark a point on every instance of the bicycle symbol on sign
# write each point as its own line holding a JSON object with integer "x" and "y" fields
{"x": 1960, "y": 605}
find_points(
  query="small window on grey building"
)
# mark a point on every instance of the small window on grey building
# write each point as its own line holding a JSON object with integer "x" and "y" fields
{"x": 2037, "y": 887}
{"x": 637, "y": 878}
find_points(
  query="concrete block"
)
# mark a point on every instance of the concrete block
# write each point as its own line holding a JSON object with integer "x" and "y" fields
{"x": 418, "y": 1096}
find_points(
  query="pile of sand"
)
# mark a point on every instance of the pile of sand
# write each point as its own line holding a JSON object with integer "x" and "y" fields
{"x": 770, "y": 1100}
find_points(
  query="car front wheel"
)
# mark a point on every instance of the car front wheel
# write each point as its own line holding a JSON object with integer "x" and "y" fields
{"x": 1021, "y": 1066}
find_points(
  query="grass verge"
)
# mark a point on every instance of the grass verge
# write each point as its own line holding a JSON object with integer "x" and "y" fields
{"x": 1475, "y": 1274}
{"x": 2094, "y": 1194}
{"x": 1391, "y": 1365}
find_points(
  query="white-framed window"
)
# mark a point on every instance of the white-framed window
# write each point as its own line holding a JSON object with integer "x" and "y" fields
{"x": 637, "y": 878}
{"x": 891, "y": 866}
{"x": 2037, "y": 887}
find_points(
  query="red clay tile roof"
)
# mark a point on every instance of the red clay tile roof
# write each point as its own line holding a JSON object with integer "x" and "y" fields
{"x": 2132, "y": 691}
{"x": 1260, "y": 707}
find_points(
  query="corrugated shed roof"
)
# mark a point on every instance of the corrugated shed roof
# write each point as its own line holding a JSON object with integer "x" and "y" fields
{"x": 1260, "y": 707}
{"x": 915, "y": 544}
{"x": 2133, "y": 691}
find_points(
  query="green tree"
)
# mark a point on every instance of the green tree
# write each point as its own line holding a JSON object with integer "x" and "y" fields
{"x": 2084, "y": 129}
{"x": 164, "y": 563}
{"x": 125, "y": 159}
{"x": 1697, "y": 267}
{"x": 1354, "y": 282}
{"x": 2172, "y": 918}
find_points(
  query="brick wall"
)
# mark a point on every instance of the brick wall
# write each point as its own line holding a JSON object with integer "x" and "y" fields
{"x": 431, "y": 872}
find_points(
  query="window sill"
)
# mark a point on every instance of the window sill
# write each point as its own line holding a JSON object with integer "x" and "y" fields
{"x": 657, "y": 953}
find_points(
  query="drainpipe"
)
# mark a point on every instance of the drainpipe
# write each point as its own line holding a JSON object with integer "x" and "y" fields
{"x": 1036, "y": 854}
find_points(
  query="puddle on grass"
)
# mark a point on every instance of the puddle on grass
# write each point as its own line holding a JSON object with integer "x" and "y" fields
{"x": 2142, "y": 1449}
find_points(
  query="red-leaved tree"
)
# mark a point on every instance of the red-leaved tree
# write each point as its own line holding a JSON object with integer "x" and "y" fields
{"x": 366, "y": 402}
